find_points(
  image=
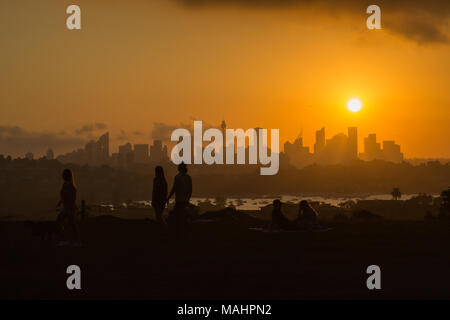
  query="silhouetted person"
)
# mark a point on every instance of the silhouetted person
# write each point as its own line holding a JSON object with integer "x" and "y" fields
{"x": 159, "y": 194}
{"x": 182, "y": 188}
{"x": 66, "y": 217}
{"x": 307, "y": 216}
{"x": 279, "y": 221}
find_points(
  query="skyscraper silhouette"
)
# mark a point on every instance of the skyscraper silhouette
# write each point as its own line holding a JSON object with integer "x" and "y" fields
{"x": 49, "y": 154}
{"x": 352, "y": 143}
{"x": 320, "y": 141}
{"x": 141, "y": 153}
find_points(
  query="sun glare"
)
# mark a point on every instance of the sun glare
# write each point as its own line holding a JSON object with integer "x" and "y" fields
{"x": 354, "y": 105}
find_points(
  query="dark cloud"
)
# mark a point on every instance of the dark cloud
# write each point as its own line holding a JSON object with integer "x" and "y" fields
{"x": 17, "y": 141}
{"x": 122, "y": 136}
{"x": 89, "y": 128}
{"x": 419, "y": 31}
{"x": 417, "y": 20}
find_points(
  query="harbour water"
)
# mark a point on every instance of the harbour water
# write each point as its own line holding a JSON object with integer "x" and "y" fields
{"x": 257, "y": 202}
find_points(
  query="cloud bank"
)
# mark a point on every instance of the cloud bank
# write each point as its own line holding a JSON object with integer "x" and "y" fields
{"x": 90, "y": 128}
{"x": 421, "y": 21}
{"x": 16, "y": 141}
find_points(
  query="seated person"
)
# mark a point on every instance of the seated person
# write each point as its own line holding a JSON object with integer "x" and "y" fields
{"x": 279, "y": 221}
{"x": 307, "y": 216}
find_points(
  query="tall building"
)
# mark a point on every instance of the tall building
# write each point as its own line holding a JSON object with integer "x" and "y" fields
{"x": 97, "y": 152}
{"x": 90, "y": 152}
{"x": 129, "y": 159}
{"x": 94, "y": 153}
{"x": 50, "y": 155}
{"x": 371, "y": 148}
{"x": 320, "y": 141}
{"x": 336, "y": 150}
{"x": 125, "y": 155}
{"x": 115, "y": 159}
{"x": 352, "y": 143}
{"x": 391, "y": 151}
{"x": 77, "y": 156}
{"x": 158, "y": 153}
{"x": 141, "y": 153}
{"x": 29, "y": 155}
{"x": 297, "y": 154}
{"x": 125, "y": 148}
{"x": 103, "y": 148}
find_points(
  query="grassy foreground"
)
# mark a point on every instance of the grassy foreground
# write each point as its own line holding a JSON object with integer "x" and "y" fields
{"x": 124, "y": 259}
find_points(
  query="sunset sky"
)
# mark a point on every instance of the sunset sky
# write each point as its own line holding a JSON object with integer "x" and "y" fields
{"x": 139, "y": 66}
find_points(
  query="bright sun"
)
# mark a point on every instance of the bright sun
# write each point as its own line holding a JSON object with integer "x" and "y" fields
{"x": 354, "y": 105}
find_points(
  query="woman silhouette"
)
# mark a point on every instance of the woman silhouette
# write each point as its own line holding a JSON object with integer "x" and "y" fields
{"x": 307, "y": 216}
{"x": 279, "y": 221}
{"x": 159, "y": 194}
{"x": 68, "y": 200}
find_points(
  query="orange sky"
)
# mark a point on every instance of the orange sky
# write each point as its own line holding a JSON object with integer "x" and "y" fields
{"x": 139, "y": 62}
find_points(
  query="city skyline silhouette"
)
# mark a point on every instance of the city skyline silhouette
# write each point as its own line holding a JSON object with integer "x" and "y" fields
{"x": 339, "y": 148}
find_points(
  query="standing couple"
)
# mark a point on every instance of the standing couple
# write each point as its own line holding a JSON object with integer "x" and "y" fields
{"x": 182, "y": 188}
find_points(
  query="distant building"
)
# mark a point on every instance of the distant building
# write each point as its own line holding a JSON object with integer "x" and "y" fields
{"x": 77, "y": 156}
{"x": 103, "y": 148}
{"x": 335, "y": 151}
{"x": 320, "y": 141}
{"x": 126, "y": 148}
{"x": 125, "y": 156}
{"x": 352, "y": 143}
{"x": 94, "y": 153}
{"x": 372, "y": 149}
{"x": 298, "y": 155}
{"x": 91, "y": 152}
{"x": 50, "y": 155}
{"x": 115, "y": 158}
{"x": 391, "y": 152}
{"x": 141, "y": 153}
{"x": 29, "y": 156}
{"x": 338, "y": 149}
{"x": 129, "y": 159}
{"x": 158, "y": 153}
